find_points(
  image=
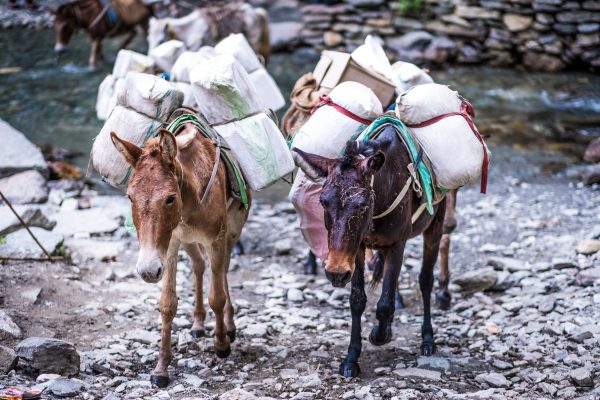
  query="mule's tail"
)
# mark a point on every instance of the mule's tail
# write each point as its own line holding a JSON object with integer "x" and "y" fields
{"x": 375, "y": 265}
{"x": 265, "y": 40}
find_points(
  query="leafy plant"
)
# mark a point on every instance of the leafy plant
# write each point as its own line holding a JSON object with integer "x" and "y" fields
{"x": 406, "y": 6}
{"x": 2, "y": 239}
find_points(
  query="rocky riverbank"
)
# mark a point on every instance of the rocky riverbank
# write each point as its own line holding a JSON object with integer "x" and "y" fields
{"x": 525, "y": 266}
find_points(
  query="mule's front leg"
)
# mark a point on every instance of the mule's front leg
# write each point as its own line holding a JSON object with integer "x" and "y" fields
{"x": 382, "y": 332}
{"x": 198, "y": 265}
{"x": 217, "y": 296}
{"x": 443, "y": 296}
{"x": 94, "y": 54}
{"x": 358, "y": 301}
{"x": 431, "y": 247}
{"x": 168, "y": 309}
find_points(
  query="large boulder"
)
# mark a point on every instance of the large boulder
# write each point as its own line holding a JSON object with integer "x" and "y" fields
{"x": 20, "y": 244}
{"x": 49, "y": 356}
{"x": 8, "y": 359}
{"x": 24, "y": 187}
{"x": 477, "y": 280}
{"x": 8, "y": 329}
{"x": 32, "y": 216}
{"x": 17, "y": 154}
{"x": 592, "y": 153}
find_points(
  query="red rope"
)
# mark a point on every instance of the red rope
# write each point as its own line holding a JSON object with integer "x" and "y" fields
{"x": 466, "y": 111}
{"x": 326, "y": 101}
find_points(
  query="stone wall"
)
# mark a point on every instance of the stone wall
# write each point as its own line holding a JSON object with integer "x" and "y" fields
{"x": 549, "y": 35}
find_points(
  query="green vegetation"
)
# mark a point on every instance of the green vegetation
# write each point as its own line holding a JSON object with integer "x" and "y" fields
{"x": 406, "y": 6}
{"x": 60, "y": 250}
{"x": 2, "y": 239}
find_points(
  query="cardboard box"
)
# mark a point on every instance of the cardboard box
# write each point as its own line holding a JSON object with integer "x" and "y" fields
{"x": 335, "y": 67}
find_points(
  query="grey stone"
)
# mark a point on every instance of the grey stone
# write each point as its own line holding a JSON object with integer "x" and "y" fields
{"x": 582, "y": 376}
{"x": 476, "y": 12}
{"x": 283, "y": 246}
{"x": 8, "y": 359}
{"x": 591, "y": 174}
{"x": 307, "y": 381}
{"x": 493, "y": 379}
{"x": 592, "y": 151}
{"x": 17, "y": 153}
{"x": 143, "y": 336}
{"x": 295, "y": 295}
{"x": 477, "y": 280}
{"x": 92, "y": 221}
{"x": 562, "y": 263}
{"x": 589, "y": 276}
{"x": 418, "y": 373}
{"x": 543, "y": 62}
{"x": 8, "y": 329}
{"x": 366, "y": 3}
{"x": 411, "y": 40}
{"x": 339, "y": 294}
{"x": 516, "y": 22}
{"x": 32, "y": 216}
{"x": 547, "y": 388}
{"x": 20, "y": 244}
{"x": 591, "y": 28}
{"x": 501, "y": 364}
{"x": 31, "y": 295}
{"x": 65, "y": 387}
{"x": 255, "y": 330}
{"x": 49, "y": 355}
{"x": 578, "y": 16}
{"x": 80, "y": 250}
{"x": 284, "y": 35}
{"x": 588, "y": 247}
{"x": 24, "y": 188}
{"x": 510, "y": 264}
{"x": 433, "y": 362}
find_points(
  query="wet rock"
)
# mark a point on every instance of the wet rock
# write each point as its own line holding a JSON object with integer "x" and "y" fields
{"x": 32, "y": 216}
{"x": 493, "y": 379}
{"x": 20, "y": 244}
{"x": 582, "y": 376}
{"x": 418, "y": 373}
{"x": 49, "y": 355}
{"x": 8, "y": 329}
{"x": 588, "y": 247}
{"x": 591, "y": 174}
{"x": 8, "y": 359}
{"x": 24, "y": 187}
{"x": 17, "y": 154}
{"x": 66, "y": 387}
{"x": 592, "y": 152}
{"x": 543, "y": 62}
{"x": 477, "y": 280}
{"x": 516, "y": 22}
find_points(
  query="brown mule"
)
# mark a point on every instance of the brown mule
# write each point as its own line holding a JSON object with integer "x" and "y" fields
{"x": 364, "y": 182}
{"x": 86, "y": 15}
{"x": 170, "y": 176}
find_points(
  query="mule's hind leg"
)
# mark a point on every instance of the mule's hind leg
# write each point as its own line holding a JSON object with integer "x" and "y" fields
{"x": 392, "y": 263}
{"x": 168, "y": 309}
{"x": 198, "y": 264}
{"x": 358, "y": 302}
{"x": 443, "y": 296}
{"x": 217, "y": 297}
{"x": 431, "y": 247}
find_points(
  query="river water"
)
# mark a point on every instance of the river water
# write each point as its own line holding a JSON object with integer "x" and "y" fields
{"x": 537, "y": 115}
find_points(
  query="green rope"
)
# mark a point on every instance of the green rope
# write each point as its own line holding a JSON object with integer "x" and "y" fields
{"x": 424, "y": 173}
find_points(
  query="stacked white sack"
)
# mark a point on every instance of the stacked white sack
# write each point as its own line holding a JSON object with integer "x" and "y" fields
{"x": 107, "y": 96}
{"x": 327, "y": 130}
{"x": 128, "y": 60}
{"x": 188, "y": 60}
{"x": 259, "y": 148}
{"x": 267, "y": 90}
{"x": 371, "y": 57}
{"x": 407, "y": 75}
{"x": 238, "y": 47}
{"x": 223, "y": 90}
{"x": 165, "y": 54}
{"x": 188, "y": 94}
{"x": 129, "y": 125}
{"x": 150, "y": 95}
{"x": 455, "y": 152}
{"x": 143, "y": 105}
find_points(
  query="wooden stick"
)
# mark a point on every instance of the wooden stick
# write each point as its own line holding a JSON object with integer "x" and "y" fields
{"x": 52, "y": 259}
{"x": 49, "y": 257}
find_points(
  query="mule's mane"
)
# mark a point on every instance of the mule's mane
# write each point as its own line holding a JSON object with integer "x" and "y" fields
{"x": 355, "y": 150}
{"x": 70, "y": 5}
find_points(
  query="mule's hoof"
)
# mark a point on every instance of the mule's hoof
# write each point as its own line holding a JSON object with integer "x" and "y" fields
{"x": 443, "y": 300}
{"x": 428, "y": 349}
{"x": 375, "y": 332}
{"x": 197, "y": 333}
{"x": 349, "y": 370}
{"x": 159, "y": 380}
{"x": 223, "y": 353}
{"x": 231, "y": 335}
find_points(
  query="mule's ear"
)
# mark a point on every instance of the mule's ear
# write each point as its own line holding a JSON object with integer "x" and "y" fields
{"x": 315, "y": 167}
{"x": 128, "y": 150}
{"x": 372, "y": 164}
{"x": 186, "y": 137}
{"x": 168, "y": 146}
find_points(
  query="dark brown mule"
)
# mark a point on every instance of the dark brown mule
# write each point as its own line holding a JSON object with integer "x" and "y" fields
{"x": 169, "y": 178}
{"x": 86, "y": 15}
{"x": 364, "y": 182}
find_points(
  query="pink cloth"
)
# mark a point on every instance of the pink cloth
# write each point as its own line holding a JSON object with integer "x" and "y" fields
{"x": 305, "y": 198}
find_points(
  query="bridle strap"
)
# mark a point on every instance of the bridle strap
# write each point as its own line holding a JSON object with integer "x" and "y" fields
{"x": 398, "y": 199}
{"x": 213, "y": 175}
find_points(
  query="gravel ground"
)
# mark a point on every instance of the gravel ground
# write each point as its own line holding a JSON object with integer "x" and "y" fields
{"x": 523, "y": 322}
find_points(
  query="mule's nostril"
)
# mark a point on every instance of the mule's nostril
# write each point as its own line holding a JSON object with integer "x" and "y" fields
{"x": 346, "y": 277}
{"x": 158, "y": 273}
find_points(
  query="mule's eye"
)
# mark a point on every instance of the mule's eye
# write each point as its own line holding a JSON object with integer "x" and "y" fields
{"x": 129, "y": 197}
{"x": 170, "y": 200}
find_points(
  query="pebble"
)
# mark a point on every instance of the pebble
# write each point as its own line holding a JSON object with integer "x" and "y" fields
{"x": 493, "y": 379}
{"x": 582, "y": 376}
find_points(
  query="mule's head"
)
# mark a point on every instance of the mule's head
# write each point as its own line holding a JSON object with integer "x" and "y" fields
{"x": 155, "y": 195}
{"x": 347, "y": 198}
{"x": 65, "y": 23}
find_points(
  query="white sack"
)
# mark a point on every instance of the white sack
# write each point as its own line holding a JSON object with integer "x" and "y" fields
{"x": 188, "y": 60}
{"x": 424, "y": 102}
{"x": 407, "y": 75}
{"x": 327, "y": 130}
{"x": 129, "y": 125}
{"x": 371, "y": 57}
{"x": 150, "y": 95}
{"x": 107, "y": 96}
{"x": 454, "y": 151}
{"x": 188, "y": 94}
{"x": 223, "y": 90}
{"x": 267, "y": 90}
{"x": 259, "y": 148}
{"x": 237, "y": 46}
{"x": 165, "y": 54}
{"x": 128, "y": 60}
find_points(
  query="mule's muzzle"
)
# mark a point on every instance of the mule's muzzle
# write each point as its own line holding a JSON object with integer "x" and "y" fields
{"x": 151, "y": 276}
{"x": 339, "y": 280}
{"x": 149, "y": 265}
